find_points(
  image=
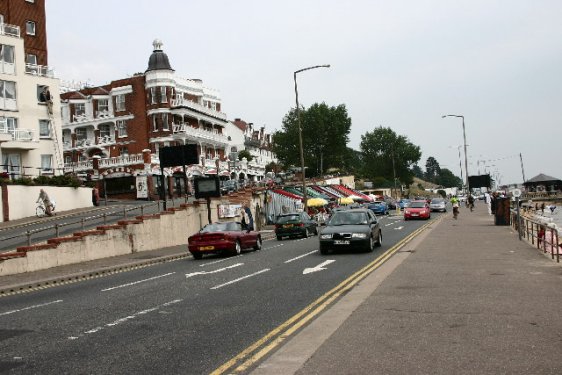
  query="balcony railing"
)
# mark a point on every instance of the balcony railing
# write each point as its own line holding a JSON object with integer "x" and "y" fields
{"x": 39, "y": 70}
{"x": 11, "y": 30}
{"x": 19, "y": 135}
{"x": 181, "y": 102}
{"x": 118, "y": 161}
{"x": 199, "y": 133}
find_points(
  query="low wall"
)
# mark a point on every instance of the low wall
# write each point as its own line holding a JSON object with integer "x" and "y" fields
{"x": 149, "y": 232}
{"x": 20, "y": 200}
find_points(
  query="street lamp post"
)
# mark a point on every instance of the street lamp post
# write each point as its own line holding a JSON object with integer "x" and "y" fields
{"x": 465, "y": 155}
{"x": 300, "y": 129}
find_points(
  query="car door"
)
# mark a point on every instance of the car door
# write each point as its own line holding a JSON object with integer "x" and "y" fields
{"x": 374, "y": 225}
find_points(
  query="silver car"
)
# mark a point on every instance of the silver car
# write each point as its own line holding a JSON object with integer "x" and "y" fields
{"x": 438, "y": 204}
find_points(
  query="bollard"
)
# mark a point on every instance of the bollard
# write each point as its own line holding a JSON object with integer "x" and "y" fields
{"x": 104, "y": 218}
{"x": 82, "y": 223}
{"x": 124, "y": 213}
{"x": 56, "y": 229}
{"x": 142, "y": 210}
{"x": 28, "y": 233}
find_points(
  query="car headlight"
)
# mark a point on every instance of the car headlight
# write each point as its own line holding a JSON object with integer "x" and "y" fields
{"x": 325, "y": 236}
{"x": 359, "y": 235}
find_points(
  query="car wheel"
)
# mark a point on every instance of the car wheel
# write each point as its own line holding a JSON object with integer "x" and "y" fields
{"x": 258, "y": 244}
{"x": 279, "y": 238}
{"x": 306, "y": 234}
{"x": 379, "y": 240}
{"x": 197, "y": 255}
{"x": 323, "y": 250}
{"x": 237, "y": 248}
{"x": 371, "y": 245}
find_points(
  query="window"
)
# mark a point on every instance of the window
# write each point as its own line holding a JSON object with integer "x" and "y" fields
{"x": 31, "y": 59}
{"x": 163, "y": 98}
{"x": 30, "y": 28}
{"x": 105, "y": 130}
{"x": 6, "y": 58}
{"x": 8, "y": 90}
{"x": 11, "y": 163}
{"x": 79, "y": 109}
{"x": 154, "y": 124}
{"x": 165, "y": 125}
{"x": 121, "y": 128}
{"x": 46, "y": 162}
{"x": 44, "y": 129}
{"x": 153, "y": 95}
{"x": 8, "y": 125}
{"x": 30, "y": 1}
{"x": 123, "y": 151}
{"x": 67, "y": 159}
{"x": 120, "y": 102}
{"x": 103, "y": 105}
{"x": 81, "y": 134}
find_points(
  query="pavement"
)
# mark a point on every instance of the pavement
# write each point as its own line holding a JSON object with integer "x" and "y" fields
{"x": 464, "y": 297}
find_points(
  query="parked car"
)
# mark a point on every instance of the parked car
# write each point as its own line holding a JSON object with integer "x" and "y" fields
{"x": 351, "y": 229}
{"x": 295, "y": 224}
{"x": 403, "y": 203}
{"x": 438, "y": 204}
{"x": 391, "y": 203}
{"x": 417, "y": 210}
{"x": 223, "y": 237}
{"x": 379, "y": 208}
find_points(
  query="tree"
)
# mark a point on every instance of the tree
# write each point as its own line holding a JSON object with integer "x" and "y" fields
{"x": 384, "y": 153}
{"x": 325, "y": 133}
{"x": 447, "y": 179}
{"x": 245, "y": 154}
{"x": 417, "y": 171}
{"x": 432, "y": 169}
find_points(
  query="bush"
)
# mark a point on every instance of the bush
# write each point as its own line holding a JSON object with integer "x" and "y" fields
{"x": 63, "y": 181}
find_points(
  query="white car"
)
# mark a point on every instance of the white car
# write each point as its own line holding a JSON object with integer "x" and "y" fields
{"x": 438, "y": 204}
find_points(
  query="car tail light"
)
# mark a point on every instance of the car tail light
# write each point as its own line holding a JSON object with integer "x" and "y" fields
{"x": 300, "y": 224}
{"x": 277, "y": 226}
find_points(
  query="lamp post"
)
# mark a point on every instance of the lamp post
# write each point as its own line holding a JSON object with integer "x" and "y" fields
{"x": 465, "y": 156}
{"x": 460, "y": 160}
{"x": 300, "y": 129}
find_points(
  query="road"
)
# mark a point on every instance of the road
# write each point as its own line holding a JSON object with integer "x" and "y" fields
{"x": 186, "y": 316}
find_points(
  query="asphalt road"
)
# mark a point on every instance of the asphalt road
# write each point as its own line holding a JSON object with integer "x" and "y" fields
{"x": 186, "y": 317}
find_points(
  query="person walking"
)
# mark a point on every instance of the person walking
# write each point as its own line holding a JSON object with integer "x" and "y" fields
{"x": 44, "y": 197}
{"x": 488, "y": 198}
{"x": 455, "y": 203}
{"x": 470, "y": 202}
{"x": 95, "y": 196}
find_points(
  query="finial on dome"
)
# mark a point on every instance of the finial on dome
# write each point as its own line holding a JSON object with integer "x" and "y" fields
{"x": 157, "y": 44}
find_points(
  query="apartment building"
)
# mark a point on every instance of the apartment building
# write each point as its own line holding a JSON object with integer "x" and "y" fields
{"x": 115, "y": 131}
{"x": 30, "y": 132}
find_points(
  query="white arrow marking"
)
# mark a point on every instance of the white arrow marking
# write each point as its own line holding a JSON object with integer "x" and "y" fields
{"x": 319, "y": 267}
{"x": 398, "y": 228}
{"x": 188, "y": 275}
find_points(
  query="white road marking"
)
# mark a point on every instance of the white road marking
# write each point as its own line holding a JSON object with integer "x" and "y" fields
{"x": 398, "y": 228}
{"x": 125, "y": 319}
{"x": 301, "y": 256}
{"x": 273, "y": 247}
{"x": 137, "y": 282}
{"x": 319, "y": 267}
{"x": 387, "y": 225}
{"x": 219, "y": 261}
{"x": 188, "y": 275}
{"x": 30, "y": 307}
{"x": 240, "y": 278}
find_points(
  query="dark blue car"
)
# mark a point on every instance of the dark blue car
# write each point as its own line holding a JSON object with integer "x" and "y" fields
{"x": 379, "y": 208}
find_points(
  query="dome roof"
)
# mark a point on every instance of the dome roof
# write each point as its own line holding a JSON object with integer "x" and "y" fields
{"x": 158, "y": 60}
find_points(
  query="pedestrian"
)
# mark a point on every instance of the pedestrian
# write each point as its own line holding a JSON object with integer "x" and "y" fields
{"x": 95, "y": 196}
{"x": 44, "y": 197}
{"x": 542, "y": 208}
{"x": 488, "y": 198}
{"x": 471, "y": 202}
{"x": 247, "y": 218}
{"x": 455, "y": 203}
{"x": 45, "y": 97}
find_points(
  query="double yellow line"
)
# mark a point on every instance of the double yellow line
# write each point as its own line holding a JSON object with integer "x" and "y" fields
{"x": 255, "y": 352}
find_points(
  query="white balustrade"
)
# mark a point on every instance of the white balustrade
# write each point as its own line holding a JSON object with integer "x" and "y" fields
{"x": 19, "y": 135}
{"x": 39, "y": 70}
{"x": 11, "y": 30}
{"x": 199, "y": 133}
{"x": 181, "y": 102}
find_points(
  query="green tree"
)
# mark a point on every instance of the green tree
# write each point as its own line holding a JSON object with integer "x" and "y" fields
{"x": 325, "y": 133}
{"x": 447, "y": 179}
{"x": 432, "y": 169}
{"x": 417, "y": 171}
{"x": 385, "y": 153}
{"x": 245, "y": 154}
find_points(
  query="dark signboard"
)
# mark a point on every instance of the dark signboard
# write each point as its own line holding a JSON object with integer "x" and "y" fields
{"x": 481, "y": 181}
{"x": 206, "y": 187}
{"x": 175, "y": 156}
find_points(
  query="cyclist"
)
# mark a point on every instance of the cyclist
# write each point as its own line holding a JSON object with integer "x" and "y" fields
{"x": 471, "y": 202}
{"x": 44, "y": 197}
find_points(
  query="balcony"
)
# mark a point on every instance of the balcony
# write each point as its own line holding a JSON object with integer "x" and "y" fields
{"x": 199, "y": 134}
{"x": 181, "y": 102}
{"x": 114, "y": 162}
{"x": 18, "y": 138}
{"x": 10, "y": 30}
{"x": 39, "y": 70}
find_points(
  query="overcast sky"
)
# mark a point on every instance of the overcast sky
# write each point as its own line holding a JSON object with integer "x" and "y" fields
{"x": 399, "y": 64}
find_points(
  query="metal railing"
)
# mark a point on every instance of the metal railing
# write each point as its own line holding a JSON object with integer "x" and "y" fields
{"x": 85, "y": 223}
{"x": 539, "y": 234}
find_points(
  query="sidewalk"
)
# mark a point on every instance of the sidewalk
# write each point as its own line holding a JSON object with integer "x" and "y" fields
{"x": 467, "y": 298}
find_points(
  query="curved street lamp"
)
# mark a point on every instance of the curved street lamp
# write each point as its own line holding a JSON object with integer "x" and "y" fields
{"x": 300, "y": 129}
{"x": 465, "y": 157}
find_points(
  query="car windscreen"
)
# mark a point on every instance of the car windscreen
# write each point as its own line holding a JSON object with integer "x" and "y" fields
{"x": 349, "y": 218}
{"x": 437, "y": 201}
{"x": 288, "y": 218}
{"x": 416, "y": 205}
{"x": 221, "y": 227}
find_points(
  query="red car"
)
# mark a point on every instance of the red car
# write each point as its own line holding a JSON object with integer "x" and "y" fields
{"x": 417, "y": 210}
{"x": 224, "y": 238}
